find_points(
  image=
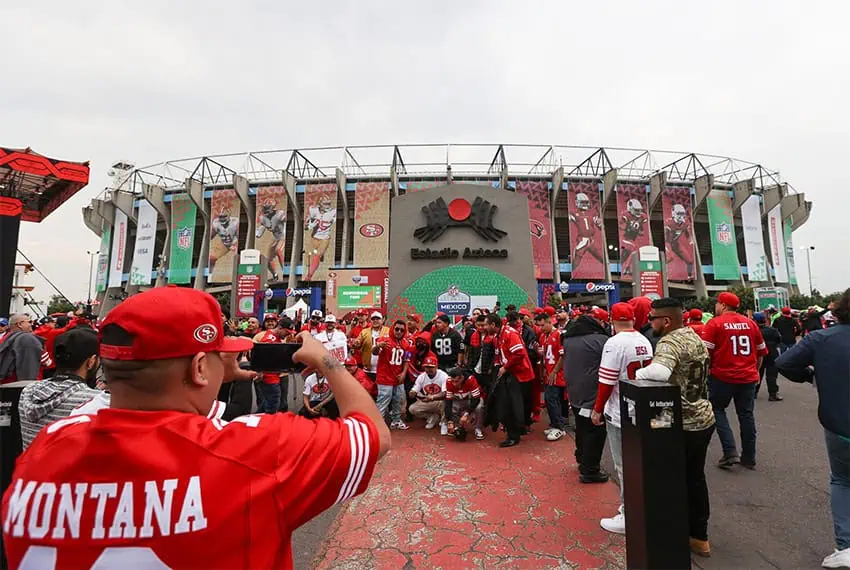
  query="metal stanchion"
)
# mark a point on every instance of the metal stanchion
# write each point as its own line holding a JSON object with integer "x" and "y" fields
{"x": 11, "y": 445}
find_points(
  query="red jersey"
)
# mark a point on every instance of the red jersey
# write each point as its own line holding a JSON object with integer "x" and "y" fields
{"x": 467, "y": 389}
{"x": 269, "y": 337}
{"x": 553, "y": 350}
{"x": 734, "y": 343}
{"x": 586, "y": 225}
{"x": 352, "y": 336}
{"x": 391, "y": 360}
{"x": 179, "y": 490}
{"x": 514, "y": 356}
{"x": 306, "y": 327}
{"x": 366, "y": 382}
{"x": 697, "y": 326}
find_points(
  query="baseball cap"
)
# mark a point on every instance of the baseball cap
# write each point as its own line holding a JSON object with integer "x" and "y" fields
{"x": 350, "y": 361}
{"x": 166, "y": 322}
{"x": 377, "y": 314}
{"x": 549, "y": 310}
{"x": 4, "y": 322}
{"x": 686, "y": 315}
{"x": 622, "y": 312}
{"x": 430, "y": 360}
{"x": 316, "y": 313}
{"x": 785, "y": 311}
{"x": 729, "y": 299}
{"x": 759, "y": 317}
{"x": 330, "y": 318}
{"x": 424, "y": 335}
{"x": 599, "y": 314}
{"x": 696, "y": 315}
{"x": 524, "y": 312}
{"x": 74, "y": 347}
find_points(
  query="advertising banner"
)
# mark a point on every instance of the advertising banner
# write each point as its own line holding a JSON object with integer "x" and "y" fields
{"x": 358, "y": 297}
{"x": 224, "y": 235}
{"x": 777, "y": 245}
{"x": 632, "y": 222}
{"x": 754, "y": 239}
{"x": 724, "y": 246}
{"x": 371, "y": 224}
{"x": 319, "y": 230}
{"x": 789, "y": 251}
{"x": 586, "y": 249}
{"x": 539, "y": 225}
{"x": 271, "y": 229}
{"x": 342, "y": 282}
{"x": 678, "y": 232}
{"x": 183, "y": 215}
{"x": 140, "y": 270}
{"x": 119, "y": 249}
{"x": 103, "y": 259}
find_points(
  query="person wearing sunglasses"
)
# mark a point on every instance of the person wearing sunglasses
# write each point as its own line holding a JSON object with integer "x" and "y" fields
{"x": 366, "y": 342}
{"x": 681, "y": 358}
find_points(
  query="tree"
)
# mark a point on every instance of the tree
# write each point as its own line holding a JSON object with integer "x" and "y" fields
{"x": 223, "y": 299}
{"x": 59, "y": 304}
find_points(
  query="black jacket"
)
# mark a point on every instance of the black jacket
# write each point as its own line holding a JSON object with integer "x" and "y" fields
{"x": 529, "y": 339}
{"x": 772, "y": 339}
{"x": 583, "y": 341}
{"x": 788, "y": 329}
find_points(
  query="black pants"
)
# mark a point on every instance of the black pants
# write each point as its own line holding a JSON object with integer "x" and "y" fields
{"x": 513, "y": 408}
{"x": 696, "y": 447}
{"x": 770, "y": 373}
{"x": 525, "y": 389}
{"x": 590, "y": 442}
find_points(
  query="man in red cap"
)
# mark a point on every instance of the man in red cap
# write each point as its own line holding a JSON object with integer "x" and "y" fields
{"x": 789, "y": 329}
{"x": 553, "y": 354}
{"x": 622, "y": 356}
{"x": 151, "y": 482}
{"x": 736, "y": 347}
{"x": 428, "y": 394}
{"x": 695, "y": 321}
{"x": 360, "y": 376}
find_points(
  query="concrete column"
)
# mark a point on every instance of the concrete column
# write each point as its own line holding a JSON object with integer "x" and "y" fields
{"x": 156, "y": 196}
{"x": 125, "y": 202}
{"x": 702, "y": 186}
{"x": 801, "y": 216}
{"x": 195, "y": 190}
{"x": 790, "y": 204}
{"x": 240, "y": 185}
{"x": 92, "y": 220}
{"x": 771, "y": 196}
{"x": 557, "y": 182}
{"x": 742, "y": 190}
{"x": 110, "y": 298}
{"x": 297, "y": 235}
{"x": 609, "y": 183}
{"x": 657, "y": 182}
{"x": 394, "y": 181}
{"x": 346, "y": 220}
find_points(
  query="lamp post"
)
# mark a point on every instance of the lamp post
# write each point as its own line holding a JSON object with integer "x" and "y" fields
{"x": 809, "y": 251}
{"x": 92, "y": 254}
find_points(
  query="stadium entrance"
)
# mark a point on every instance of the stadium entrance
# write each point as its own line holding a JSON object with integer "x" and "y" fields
{"x": 465, "y": 246}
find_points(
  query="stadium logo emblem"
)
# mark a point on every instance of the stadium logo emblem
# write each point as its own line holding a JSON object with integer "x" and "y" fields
{"x": 205, "y": 333}
{"x": 371, "y": 230}
{"x": 454, "y": 302}
{"x": 724, "y": 233}
{"x": 538, "y": 230}
{"x": 184, "y": 237}
{"x": 459, "y": 213}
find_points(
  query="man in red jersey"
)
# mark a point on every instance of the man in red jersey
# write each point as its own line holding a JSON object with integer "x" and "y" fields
{"x": 695, "y": 321}
{"x": 553, "y": 354}
{"x": 517, "y": 374}
{"x": 179, "y": 490}
{"x": 270, "y": 386}
{"x": 393, "y": 354}
{"x": 314, "y": 326}
{"x": 736, "y": 348}
{"x": 360, "y": 376}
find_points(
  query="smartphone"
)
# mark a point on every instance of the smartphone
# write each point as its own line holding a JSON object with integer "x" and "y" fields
{"x": 275, "y": 357}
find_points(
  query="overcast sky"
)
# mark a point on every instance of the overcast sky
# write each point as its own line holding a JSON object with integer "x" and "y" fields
{"x": 763, "y": 81}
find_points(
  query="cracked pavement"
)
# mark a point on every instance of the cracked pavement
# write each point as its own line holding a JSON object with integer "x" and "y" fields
{"x": 438, "y": 503}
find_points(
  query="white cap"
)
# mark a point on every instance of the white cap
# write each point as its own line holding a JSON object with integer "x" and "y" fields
{"x": 377, "y": 314}
{"x": 316, "y": 313}
{"x": 330, "y": 319}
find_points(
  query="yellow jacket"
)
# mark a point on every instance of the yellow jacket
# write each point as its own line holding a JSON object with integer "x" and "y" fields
{"x": 366, "y": 344}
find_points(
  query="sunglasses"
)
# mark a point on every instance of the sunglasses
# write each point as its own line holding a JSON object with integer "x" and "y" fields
{"x": 399, "y": 329}
{"x": 376, "y": 318}
{"x": 653, "y": 317}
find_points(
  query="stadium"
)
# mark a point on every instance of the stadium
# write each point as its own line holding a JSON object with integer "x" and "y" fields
{"x": 396, "y": 227}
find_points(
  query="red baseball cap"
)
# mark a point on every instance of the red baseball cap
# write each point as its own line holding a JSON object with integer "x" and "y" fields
{"x": 696, "y": 315}
{"x": 524, "y": 312}
{"x": 169, "y": 322}
{"x": 424, "y": 335}
{"x": 350, "y": 361}
{"x": 622, "y": 312}
{"x": 729, "y": 299}
{"x": 686, "y": 315}
{"x": 430, "y": 360}
{"x": 599, "y": 314}
{"x": 549, "y": 310}
{"x": 786, "y": 310}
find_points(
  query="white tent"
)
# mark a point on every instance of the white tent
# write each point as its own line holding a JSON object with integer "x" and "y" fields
{"x": 292, "y": 312}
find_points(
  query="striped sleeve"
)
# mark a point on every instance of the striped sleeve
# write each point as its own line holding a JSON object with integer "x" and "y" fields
{"x": 359, "y": 444}
{"x": 609, "y": 376}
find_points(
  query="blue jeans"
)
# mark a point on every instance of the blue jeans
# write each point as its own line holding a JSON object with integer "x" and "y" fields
{"x": 838, "y": 452}
{"x": 554, "y": 396}
{"x": 721, "y": 395}
{"x": 271, "y": 397}
{"x": 391, "y": 398}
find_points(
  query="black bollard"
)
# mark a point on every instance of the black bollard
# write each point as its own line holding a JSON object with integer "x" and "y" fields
{"x": 11, "y": 445}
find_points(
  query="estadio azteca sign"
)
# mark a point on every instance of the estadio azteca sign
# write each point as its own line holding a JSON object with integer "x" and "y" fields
{"x": 458, "y": 213}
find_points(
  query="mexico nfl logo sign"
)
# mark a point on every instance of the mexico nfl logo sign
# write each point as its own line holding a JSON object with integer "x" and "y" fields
{"x": 184, "y": 237}
{"x": 723, "y": 233}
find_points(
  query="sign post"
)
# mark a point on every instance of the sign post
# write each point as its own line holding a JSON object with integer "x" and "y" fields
{"x": 649, "y": 279}
{"x": 249, "y": 285}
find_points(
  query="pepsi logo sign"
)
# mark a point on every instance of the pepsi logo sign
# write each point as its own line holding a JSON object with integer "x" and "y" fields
{"x": 597, "y": 287}
{"x": 205, "y": 333}
{"x": 371, "y": 230}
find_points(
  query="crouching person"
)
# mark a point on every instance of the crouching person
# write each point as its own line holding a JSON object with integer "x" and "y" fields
{"x": 319, "y": 401}
{"x": 464, "y": 409}
{"x": 427, "y": 395}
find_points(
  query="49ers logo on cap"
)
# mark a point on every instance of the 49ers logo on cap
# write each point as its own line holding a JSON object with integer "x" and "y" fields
{"x": 205, "y": 333}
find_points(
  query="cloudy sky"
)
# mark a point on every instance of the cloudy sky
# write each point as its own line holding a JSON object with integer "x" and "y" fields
{"x": 156, "y": 80}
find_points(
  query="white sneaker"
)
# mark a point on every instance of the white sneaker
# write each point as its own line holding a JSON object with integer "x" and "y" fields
{"x": 548, "y": 430}
{"x": 838, "y": 559}
{"x": 479, "y": 434}
{"x": 431, "y": 422}
{"x": 444, "y": 428}
{"x": 616, "y": 524}
{"x": 554, "y": 435}
{"x": 399, "y": 425}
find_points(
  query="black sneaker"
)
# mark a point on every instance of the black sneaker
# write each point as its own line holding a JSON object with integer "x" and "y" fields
{"x": 774, "y": 398}
{"x": 727, "y": 461}
{"x": 751, "y": 465}
{"x": 598, "y": 477}
{"x": 509, "y": 443}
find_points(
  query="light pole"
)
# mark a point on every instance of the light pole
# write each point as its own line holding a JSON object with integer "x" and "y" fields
{"x": 809, "y": 251}
{"x": 92, "y": 254}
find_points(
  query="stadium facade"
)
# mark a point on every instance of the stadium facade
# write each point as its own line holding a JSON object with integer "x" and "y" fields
{"x": 350, "y": 227}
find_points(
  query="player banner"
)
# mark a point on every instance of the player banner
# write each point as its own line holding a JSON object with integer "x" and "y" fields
{"x": 586, "y": 255}
{"x": 319, "y": 230}
{"x": 777, "y": 245}
{"x": 371, "y": 224}
{"x": 140, "y": 270}
{"x": 119, "y": 249}
{"x": 224, "y": 235}
{"x": 789, "y": 251}
{"x": 539, "y": 224}
{"x": 754, "y": 239}
{"x": 271, "y": 229}
{"x": 724, "y": 246}
{"x": 103, "y": 259}
{"x": 678, "y": 233}
{"x": 633, "y": 223}
{"x": 183, "y": 216}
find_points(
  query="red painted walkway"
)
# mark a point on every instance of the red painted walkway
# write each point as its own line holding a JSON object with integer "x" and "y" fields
{"x": 438, "y": 503}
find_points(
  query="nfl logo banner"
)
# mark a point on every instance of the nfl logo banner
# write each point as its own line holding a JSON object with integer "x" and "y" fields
{"x": 183, "y": 217}
{"x": 724, "y": 234}
{"x": 724, "y": 249}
